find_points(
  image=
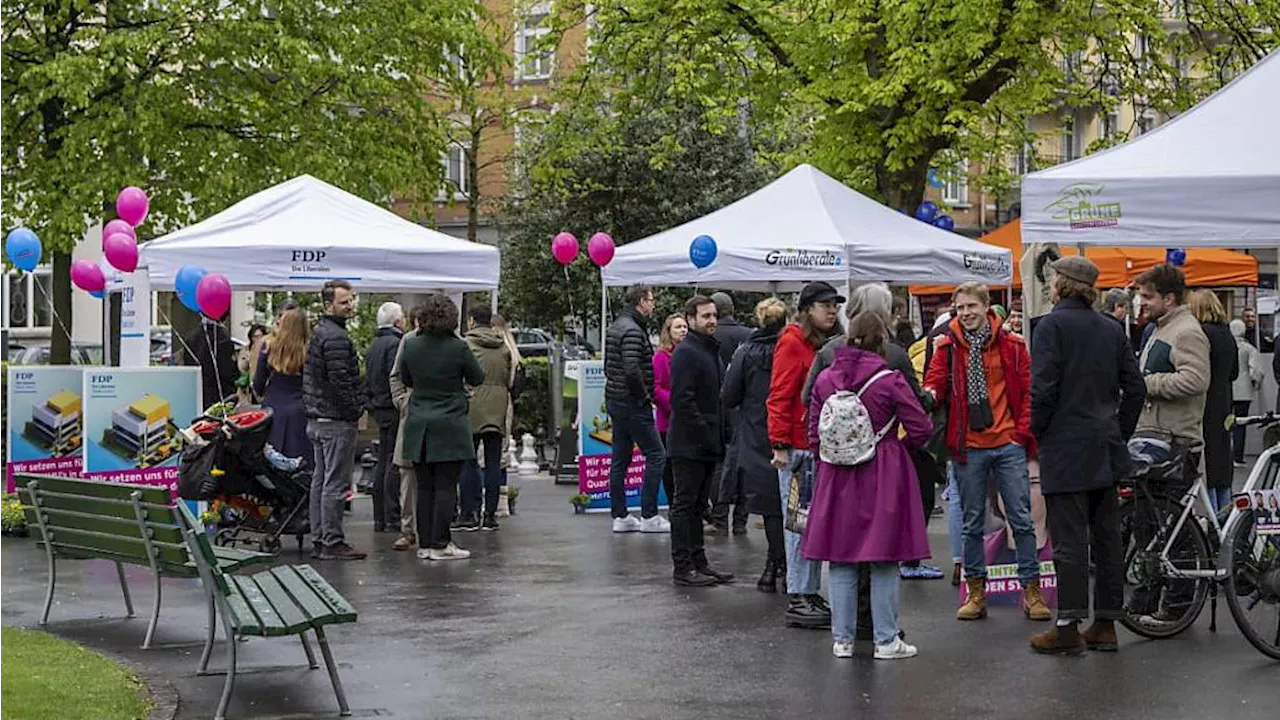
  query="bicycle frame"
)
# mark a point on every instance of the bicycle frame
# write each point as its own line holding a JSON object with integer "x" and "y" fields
{"x": 1225, "y": 533}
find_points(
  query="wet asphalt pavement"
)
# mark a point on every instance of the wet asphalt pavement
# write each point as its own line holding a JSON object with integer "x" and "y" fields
{"x": 555, "y": 617}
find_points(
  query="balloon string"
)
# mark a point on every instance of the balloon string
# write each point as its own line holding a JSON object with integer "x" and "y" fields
{"x": 568, "y": 286}
{"x": 173, "y": 335}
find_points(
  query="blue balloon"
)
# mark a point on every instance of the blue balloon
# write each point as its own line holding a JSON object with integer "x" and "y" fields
{"x": 185, "y": 282}
{"x": 97, "y": 294}
{"x": 932, "y": 177}
{"x": 945, "y": 222}
{"x": 1175, "y": 256}
{"x": 926, "y": 211}
{"x": 702, "y": 251}
{"x": 23, "y": 248}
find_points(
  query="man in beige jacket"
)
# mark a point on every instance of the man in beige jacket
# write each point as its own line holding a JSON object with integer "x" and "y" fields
{"x": 1175, "y": 366}
{"x": 408, "y": 482}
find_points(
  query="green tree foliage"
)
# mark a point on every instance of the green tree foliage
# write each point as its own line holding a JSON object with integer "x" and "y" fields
{"x": 876, "y": 91}
{"x": 630, "y": 175}
{"x": 203, "y": 102}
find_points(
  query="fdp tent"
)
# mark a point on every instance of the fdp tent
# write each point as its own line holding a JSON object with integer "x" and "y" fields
{"x": 1208, "y": 178}
{"x": 807, "y": 226}
{"x": 302, "y": 232}
{"x": 1117, "y": 267}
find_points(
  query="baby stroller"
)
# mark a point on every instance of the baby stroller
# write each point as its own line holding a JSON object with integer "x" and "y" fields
{"x": 257, "y": 493}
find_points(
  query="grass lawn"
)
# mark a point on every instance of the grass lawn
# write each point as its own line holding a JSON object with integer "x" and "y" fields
{"x": 47, "y": 678}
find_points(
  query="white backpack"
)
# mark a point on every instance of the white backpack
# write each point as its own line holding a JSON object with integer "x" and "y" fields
{"x": 845, "y": 433}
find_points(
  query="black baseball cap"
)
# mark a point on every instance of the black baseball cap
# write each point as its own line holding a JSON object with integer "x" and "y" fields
{"x": 819, "y": 292}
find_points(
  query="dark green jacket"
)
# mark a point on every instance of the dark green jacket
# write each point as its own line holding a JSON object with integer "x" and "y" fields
{"x": 436, "y": 368}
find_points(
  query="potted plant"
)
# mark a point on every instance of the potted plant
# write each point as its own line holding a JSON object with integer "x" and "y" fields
{"x": 211, "y": 518}
{"x": 12, "y": 520}
{"x": 580, "y": 503}
{"x": 513, "y": 492}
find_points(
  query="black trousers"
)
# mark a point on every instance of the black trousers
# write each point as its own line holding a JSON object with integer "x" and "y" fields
{"x": 1239, "y": 408}
{"x": 386, "y": 476}
{"x": 492, "y": 477}
{"x": 1085, "y": 523}
{"x": 437, "y": 494}
{"x": 693, "y": 480}
{"x": 731, "y": 493}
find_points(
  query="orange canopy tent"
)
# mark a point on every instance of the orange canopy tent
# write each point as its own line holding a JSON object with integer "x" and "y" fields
{"x": 1117, "y": 267}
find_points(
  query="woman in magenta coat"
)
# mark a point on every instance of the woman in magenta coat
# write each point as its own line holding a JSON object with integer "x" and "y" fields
{"x": 673, "y": 331}
{"x": 868, "y": 513}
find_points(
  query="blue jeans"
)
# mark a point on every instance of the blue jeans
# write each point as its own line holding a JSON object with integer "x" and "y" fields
{"x": 804, "y": 577}
{"x": 955, "y": 518}
{"x": 1220, "y": 497}
{"x": 884, "y": 601}
{"x": 1008, "y": 465}
{"x": 633, "y": 425}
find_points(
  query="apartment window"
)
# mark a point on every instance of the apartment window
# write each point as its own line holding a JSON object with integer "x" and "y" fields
{"x": 955, "y": 190}
{"x": 1110, "y": 126}
{"x": 533, "y": 60}
{"x": 1145, "y": 123}
{"x": 1070, "y": 148}
{"x": 28, "y": 300}
{"x": 457, "y": 181}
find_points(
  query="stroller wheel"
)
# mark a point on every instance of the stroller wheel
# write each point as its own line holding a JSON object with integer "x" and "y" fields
{"x": 269, "y": 544}
{"x": 225, "y": 537}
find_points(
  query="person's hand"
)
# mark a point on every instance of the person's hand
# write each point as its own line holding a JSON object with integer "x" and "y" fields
{"x": 780, "y": 458}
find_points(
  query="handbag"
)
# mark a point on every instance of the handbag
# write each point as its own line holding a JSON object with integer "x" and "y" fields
{"x": 800, "y": 494}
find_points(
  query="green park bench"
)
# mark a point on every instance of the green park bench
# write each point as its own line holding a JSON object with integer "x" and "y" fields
{"x": 285, "y": 600}
{"x": 135, "y": 524}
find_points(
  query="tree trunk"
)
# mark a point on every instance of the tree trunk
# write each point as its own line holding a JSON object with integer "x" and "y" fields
{"x": 59, "y": 341}
{"x": 473, "y": 175}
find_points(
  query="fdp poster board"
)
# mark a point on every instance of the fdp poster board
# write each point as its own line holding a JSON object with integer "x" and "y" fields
{"x": 132, "y": 421}
{"x": 1265, "y": 505}
{"x": 44, "y": 421}
{"x": 595, "y": 441}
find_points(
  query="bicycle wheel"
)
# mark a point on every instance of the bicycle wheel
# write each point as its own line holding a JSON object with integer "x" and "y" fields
{"x": 1253, "y": 588}
{"x": 1158, "y": 604}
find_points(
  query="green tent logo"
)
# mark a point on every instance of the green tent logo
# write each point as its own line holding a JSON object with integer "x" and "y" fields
{"x": 1081, "y": 206}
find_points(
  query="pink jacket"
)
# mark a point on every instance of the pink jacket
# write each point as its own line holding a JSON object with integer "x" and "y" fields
{"x": 662, "y": 389}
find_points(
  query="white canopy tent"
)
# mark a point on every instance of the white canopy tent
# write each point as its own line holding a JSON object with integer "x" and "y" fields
{"x": 303, "y": 232}
{"x": 802, "y": 227}
{"x": 1208, "y": 178}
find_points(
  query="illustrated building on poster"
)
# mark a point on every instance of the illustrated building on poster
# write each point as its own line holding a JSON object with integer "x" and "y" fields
{"x": 56, "y": 424}
{"x": 142, "y": 431}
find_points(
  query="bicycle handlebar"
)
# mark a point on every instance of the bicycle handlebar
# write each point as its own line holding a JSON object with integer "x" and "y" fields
{"x": 1263, "y": 419}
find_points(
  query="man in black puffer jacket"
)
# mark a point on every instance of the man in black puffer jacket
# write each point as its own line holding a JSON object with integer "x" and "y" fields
{"x": 628, "y": 391}
{"x": 334, "y": 398}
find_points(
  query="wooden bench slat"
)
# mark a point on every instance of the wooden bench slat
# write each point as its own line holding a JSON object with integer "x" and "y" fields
{"x": 118, "y": 508}
{"x": 93, "y": 488}
{"x": 88, "y": 541}
{"x": 290, "y": 614}
{"x": 76, "y": 520}
{"x": 243, "y": 618}
{"x": 231, "y": 559}
{"x": 314, "y": 595}
{"x": 268, "y": 619}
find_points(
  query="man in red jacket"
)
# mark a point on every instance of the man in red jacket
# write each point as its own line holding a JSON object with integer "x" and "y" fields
{"x": 983, "y": 373}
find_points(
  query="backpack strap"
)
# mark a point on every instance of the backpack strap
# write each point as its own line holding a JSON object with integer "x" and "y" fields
{"x": 892, "y": 418}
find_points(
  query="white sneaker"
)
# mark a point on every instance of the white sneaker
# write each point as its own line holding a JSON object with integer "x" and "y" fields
{"x": 842, "y": 649}
{"x": 424, "y": 554}
{"x": 896, "y": 650}
{"x": 655, "y": 524}
{"x": 449, "y": 552}
{"x": 627, "y": 524}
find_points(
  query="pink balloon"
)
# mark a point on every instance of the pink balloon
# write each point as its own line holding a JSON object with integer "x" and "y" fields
{"x": 564, "y": 247}
{"x": 132, "y": 205}
{"x": 600, "y": 249}
{"x": 213, "y": 295}
{"x": 119, "y": 226}
{"x": 121, "y": 251}
{"x": 87, "y": 276}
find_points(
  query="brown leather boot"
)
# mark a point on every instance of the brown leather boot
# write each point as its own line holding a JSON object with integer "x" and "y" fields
{"x": 975, "y": 603}
{"x": 1033, "y": 602}
{"x": 1059, "y": 640}
{"x": 1101, "y": 635}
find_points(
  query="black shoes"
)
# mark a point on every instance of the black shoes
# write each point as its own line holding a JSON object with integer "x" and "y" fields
{"x": 810, "y": 612}
{"x": 693, "y": 578}
{"x": 722, "y": 578}
{"x": 768, "y": 581}
{"x": 489, "y": 523}
{"x": 740, "y": 529}
{"x": 466, "y": 523}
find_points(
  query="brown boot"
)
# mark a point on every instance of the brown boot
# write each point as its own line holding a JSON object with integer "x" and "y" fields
{"x": 1101, "y": 635}
{"x": 1059, "y": 640}
{"x": 975, "y": 604}
{"x": 1033, "y": 602}
{"x": 405, "y": 541}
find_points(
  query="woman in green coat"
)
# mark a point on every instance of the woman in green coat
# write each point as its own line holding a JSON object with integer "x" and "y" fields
{"x": 436, "y": 366}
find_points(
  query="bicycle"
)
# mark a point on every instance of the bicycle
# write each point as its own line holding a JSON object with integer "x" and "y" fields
{"x": 1172, "y": 563}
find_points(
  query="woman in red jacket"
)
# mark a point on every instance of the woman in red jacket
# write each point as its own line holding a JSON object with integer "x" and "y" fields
{"x": 815, "y": 323}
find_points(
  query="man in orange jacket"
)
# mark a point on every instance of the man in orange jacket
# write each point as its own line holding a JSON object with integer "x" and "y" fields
{"x": 983, "y": 373}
